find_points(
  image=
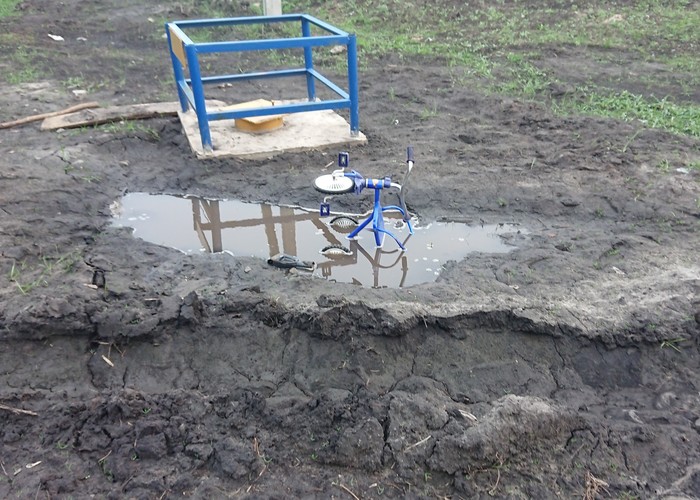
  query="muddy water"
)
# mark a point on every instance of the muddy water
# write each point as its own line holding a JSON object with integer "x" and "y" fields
{"x": 261, "y": 230}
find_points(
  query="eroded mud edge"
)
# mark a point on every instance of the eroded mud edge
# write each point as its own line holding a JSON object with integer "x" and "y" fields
{"x": 238, "y": 382}
{"x": 208, "y": 290}
{"x": 261, "y": 409}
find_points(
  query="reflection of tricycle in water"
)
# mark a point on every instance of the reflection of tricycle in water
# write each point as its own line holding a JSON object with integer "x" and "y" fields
{"x": 340, "y": 181}
{"x": 339, "y": 256}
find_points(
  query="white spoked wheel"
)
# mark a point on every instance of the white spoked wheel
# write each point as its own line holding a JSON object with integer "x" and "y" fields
{"x": 334, "y": 184}
{"x": 336, "y": 251}
{"x": 343, "y": 224}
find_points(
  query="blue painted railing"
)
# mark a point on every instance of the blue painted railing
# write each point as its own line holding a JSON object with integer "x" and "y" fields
{"x": 184, "y": 54}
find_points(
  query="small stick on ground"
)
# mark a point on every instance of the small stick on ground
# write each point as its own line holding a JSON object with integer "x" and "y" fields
{"x": 593, "y": 486}
{"x": 252, "y": 483}
{"x": 346, "y": 489}
{"x": 42, "y": 116}
{"x": 492, "y": 491}
{"x": 19, "y": 411}
{"x": 418, "y": 443}
{"x": 111, "y": 114}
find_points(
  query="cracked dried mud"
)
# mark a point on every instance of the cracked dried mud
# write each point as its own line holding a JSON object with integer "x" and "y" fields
{"x": 518, "y": 375}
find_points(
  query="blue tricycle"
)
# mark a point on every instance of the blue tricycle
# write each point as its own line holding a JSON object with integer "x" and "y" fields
{"x": 341, "y": 181}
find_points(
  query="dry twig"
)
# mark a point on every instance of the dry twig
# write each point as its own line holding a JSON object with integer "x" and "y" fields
{"x": 418, "y": 443}
{"x": 105, "y": 457}
{"x": 19, "y": 411}
{"x": 346, "y": 489}
{"x": 593, "y": 486}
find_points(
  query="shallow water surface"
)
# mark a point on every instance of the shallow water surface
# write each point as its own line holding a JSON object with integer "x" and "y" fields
{"x": 192, "y": 224}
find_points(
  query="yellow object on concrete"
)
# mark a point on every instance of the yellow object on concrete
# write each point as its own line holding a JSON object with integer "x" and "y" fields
{"x": 256, "y": 124}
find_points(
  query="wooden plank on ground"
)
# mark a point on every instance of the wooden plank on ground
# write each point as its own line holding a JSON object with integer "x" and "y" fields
{"x": 42, "y": 116}
{"x": 111, "y": 114}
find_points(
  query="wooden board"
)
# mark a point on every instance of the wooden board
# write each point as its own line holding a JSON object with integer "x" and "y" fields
{"x": 260, "y": 127}
{"x": 111, "y": 114}
{"x": 178, "y": 47}
{"x": 256, "y": 124}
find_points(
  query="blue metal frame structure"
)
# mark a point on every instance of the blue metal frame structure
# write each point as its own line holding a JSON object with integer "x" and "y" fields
{"x": 184, "y": 55}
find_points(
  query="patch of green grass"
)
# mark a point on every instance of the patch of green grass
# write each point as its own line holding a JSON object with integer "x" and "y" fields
{"x": 450, "y": 29}
{"x": 15, "y": 276}
{"x": 473, "y": 38}
{"x": 612, "y": 252}
{"x": 21, "y": 57}
{"x": 625, "y": 495}
{"x": 23, "y": 75}
{"x": 82, "y": 83}
{"x": 652, "y": 112}
{"x": 26, "y": 70}
{"x": 285, "y": 59}
{"x": 27, "y": 277}
{"x": 672, "y": 343}
{"x": 522, "y": 78}
{"x": 400, "y": 29}
{"x": 664, "y": 166}
{"x": 10, "y": 39}
{"x": 130, "y": 127}
{"x": 649, "y": 26}
{"x": 429, "y": 112}
{"x": 686, "y": 62}
{"x": 7, "y": 7}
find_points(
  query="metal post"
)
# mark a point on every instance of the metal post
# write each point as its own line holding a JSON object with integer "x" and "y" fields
{"x": 179, "y": 74}
{"x": 272, "y": 7}
{"x": 308, "y": 62}
{"x": 353, "y": 87}
{"x": 199, "y": 102}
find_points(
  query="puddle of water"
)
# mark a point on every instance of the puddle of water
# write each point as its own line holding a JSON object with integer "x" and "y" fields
{"x": 261, "y": 230}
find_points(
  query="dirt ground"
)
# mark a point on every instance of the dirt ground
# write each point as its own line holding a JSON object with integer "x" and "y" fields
{"x": 566, "y": 367}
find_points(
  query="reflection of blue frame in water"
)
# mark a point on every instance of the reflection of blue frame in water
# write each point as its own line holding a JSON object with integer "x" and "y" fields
{"x": 355, "y": 249}
{"x": 287, "y": 219}
{"x": 262, "y": 230}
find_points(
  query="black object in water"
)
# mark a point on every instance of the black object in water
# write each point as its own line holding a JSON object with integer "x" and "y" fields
{"x": 285, "y": 261}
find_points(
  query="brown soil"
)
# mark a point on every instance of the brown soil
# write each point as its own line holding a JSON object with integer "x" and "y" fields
{"x": 529, "y": 374}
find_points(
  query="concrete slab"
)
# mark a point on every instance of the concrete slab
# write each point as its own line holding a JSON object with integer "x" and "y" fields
{"x": 300, "y": 132}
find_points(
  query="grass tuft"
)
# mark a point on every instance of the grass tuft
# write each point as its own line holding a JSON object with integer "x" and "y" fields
{"x": 7, "y": 7}
{"x": 652, "y": 112}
